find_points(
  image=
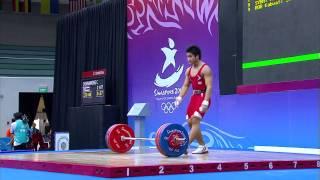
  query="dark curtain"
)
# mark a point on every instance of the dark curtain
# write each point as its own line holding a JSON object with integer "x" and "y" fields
{"x": 93, "y": 38}
{"x": 28, "y": 104}
{"x": 230, "y": 46}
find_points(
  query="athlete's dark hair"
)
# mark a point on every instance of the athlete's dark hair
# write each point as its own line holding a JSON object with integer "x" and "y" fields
{"x": 18, "y": 115}
{"x": 21, "y": 116}
{"x": 195, "y": 50}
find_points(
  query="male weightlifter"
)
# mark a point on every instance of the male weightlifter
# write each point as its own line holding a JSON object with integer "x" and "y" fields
{"x": 199, "y": 75}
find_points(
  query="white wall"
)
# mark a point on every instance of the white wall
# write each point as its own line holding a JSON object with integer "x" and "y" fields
{"x": 9, "y": 95}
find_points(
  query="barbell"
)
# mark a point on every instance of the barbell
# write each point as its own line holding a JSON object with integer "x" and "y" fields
{"x": 171, "y": 139}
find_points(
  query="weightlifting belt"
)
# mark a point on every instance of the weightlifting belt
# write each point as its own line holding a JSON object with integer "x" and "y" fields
{"x": 198, "y": 91}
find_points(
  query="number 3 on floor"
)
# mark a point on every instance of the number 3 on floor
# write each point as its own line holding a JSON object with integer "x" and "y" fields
{"x": 191, "y": 168}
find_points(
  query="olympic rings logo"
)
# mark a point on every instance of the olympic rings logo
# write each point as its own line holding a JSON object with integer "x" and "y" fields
{"x": 168, "y": 107}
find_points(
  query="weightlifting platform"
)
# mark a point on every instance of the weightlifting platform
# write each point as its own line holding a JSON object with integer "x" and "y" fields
{"x": 105, "y": 163}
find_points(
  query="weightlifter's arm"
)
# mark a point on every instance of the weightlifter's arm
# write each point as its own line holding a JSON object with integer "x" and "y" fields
{"x": 184, "y": 88}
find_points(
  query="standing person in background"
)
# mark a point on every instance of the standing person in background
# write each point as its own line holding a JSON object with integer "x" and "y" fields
{"x": 47, "y": 128}
{"x": 48, "y": 131}
{"x": 20, "y": 132}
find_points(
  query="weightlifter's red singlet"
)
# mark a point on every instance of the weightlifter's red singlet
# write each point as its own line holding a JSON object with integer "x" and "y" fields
{"x": 199, "y": 90}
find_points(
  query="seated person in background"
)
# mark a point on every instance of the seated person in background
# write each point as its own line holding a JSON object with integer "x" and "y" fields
{"x": 8, "y": 133}
{"x": 34, "y": 130}
{"x": 37, "y": 140}
{"x": 20, "y": 132}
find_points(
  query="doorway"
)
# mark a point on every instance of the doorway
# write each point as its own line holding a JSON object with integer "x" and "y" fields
{"x": 38, "y": 108}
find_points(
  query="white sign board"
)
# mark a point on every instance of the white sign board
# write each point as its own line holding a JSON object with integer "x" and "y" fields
{"x": 61, "y": 141}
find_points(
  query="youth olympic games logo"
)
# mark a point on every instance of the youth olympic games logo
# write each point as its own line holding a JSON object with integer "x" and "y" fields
{"x": 166, "y": 94}
{"x": 170, "y": 53}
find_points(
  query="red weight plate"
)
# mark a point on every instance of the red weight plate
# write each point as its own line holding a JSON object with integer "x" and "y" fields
{"x": 108, "y": 134}
{"x": 157, "y": 139}
{"x": 159, "y": 131}
{"x": 114, "y": 140}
